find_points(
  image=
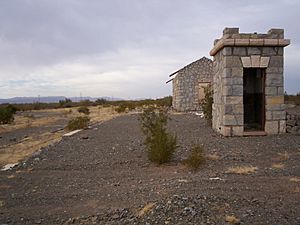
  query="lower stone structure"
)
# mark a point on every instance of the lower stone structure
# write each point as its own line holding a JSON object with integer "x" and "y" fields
{"x": 248, "y": 82}
{"x": 188, "y": 84}
{"x": 293, "y": 123}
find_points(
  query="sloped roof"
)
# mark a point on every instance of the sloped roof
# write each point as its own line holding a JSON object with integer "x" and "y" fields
{"x": 203, "y": 59}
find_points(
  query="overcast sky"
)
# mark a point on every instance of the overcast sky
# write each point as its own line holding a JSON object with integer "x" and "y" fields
{"x": 125, "y": 48}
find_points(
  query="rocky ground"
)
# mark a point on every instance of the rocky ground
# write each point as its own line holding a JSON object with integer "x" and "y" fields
{"x": 102, "y": 176}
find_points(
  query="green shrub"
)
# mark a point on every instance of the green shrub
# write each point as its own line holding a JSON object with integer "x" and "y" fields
{"x": 80, "y": 122}
{"x": 7, "y": 114}
{"x": 206, "y": 103}
{"x": 164, "y": 102}
{"x": 120, "y": 109}
{"x": 160, "y": 144}
{"x": 83, "y": 109}
{"x": 101, "y": 101}
{"x": 67, "y": 103}
{"x": 195, "y": 158}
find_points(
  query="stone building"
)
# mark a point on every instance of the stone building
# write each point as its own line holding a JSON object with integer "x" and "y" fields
{"x": 248, "y": 83}
{"x": 188, "y": 84}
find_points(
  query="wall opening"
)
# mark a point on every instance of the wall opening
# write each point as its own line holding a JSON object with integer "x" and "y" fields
{"x": 254, "y": 99}
{"x": 201, "y": 87}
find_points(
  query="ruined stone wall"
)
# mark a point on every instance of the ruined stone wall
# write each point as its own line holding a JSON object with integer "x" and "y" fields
{"x": 234, "y": 52}
{"x": 186, "y": 84}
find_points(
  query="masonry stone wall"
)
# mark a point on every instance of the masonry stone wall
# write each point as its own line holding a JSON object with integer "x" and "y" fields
{"x": 186, "y": 84}
{"x": 234, "y": 52}
{"x": 293, "y": 123}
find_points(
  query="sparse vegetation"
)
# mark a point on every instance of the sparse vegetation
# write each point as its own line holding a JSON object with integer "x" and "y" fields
{"x": 242, "y": 169}
{"x": 7, "y": 114}
{"x": 160, "y": 144}
{"x": 101, "y": 101}
{"x": 232, "y": 219}
{"x": 83, "y": 109}
{"x": 213, "y": 156}
{"x": 206, "y": 103}
{"x": 68, "y": 103}
{"x": 278, "y": 166}
{"x": 295, "y": 179}
{"x": 80, "y": 122}
{"x": 196, "y": 158}
{"x": 292, "y": 99}
{"x": 121, "y": 109}
{"x": 65, "y": 103}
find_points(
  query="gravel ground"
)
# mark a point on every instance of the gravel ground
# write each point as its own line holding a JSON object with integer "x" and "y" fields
{"x": 17, "y": 135}
{"x": 102, "y": 176}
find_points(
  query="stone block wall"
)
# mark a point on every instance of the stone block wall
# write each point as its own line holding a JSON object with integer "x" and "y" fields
{"x": 186, "y": 84}
{"x": 293, "y": 123}
{"x": 234, "y": 52}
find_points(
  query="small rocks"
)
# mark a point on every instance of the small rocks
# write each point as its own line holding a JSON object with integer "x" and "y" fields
{"x": 39, "y": 221}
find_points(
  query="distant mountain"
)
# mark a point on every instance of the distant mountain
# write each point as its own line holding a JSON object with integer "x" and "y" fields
{"x": 51, "y": 99}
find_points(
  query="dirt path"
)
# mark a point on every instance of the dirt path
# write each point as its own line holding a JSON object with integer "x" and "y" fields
{"x": 102, "y": 176}
{"x": 33, "y": 130}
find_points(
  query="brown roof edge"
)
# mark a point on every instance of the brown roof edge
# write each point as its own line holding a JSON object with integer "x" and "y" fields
{"x": 169, "y": 80}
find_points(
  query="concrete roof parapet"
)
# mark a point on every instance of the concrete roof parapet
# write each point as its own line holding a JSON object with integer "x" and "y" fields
{"x": 231, "y": 37}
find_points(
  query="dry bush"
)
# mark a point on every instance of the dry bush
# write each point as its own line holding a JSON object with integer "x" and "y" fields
{"x": 278, "y": 166}
{"x": 196, "y": 158}
{"x": 295, "y": 179}
{"x": 284, "y": 156}
{"x": 160, "y": 144}
{"x": 213, "y": 156}
{"x": 120, "y": 109}
{"x": 83, "y": 109}
{"x": 242, "y": 169}
{"x": 80, "y": 122}
{"x": 232, "y": 219}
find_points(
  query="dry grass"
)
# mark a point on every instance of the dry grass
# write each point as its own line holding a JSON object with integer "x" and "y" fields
{"x": 25, "y": 121}
{"x": 213, "y": 156}
{"x": 296, "y": 190}
{"x": 232, "y": 219}
{"x": 278, "y": 166}
{"x": 145, "y": 209}
{"x": 282, "y": 156}
{"x": 19, "y": 151}
{"x": 295, "y": 179}
{"x": 242, "y": 169}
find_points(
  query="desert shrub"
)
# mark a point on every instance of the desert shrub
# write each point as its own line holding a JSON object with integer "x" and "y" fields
{"x": 195, "y": 158}
{"x": 206, "y": 103}
{"x": 80, "y": 122}
{"x": 120, "y": 108}
{"x": 130, "y": 105}
{"x": 86, "y": 102}
{"x": 7, "y": 114}
{"x": 67, "y": 103}
{"x": 160, "y": 144}
{"x": 83, "y": 109}
{"x": 106, "y": 105}
{"x": 164, "y": 102}
{"x": 101, "y": 101}
{"x": 292, "y": 99}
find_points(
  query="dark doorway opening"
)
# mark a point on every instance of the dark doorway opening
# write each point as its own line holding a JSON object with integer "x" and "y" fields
{"x": 254, "y": 99}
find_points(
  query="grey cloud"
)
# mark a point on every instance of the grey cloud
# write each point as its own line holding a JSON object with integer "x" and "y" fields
{"x": 39, "y": 35}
